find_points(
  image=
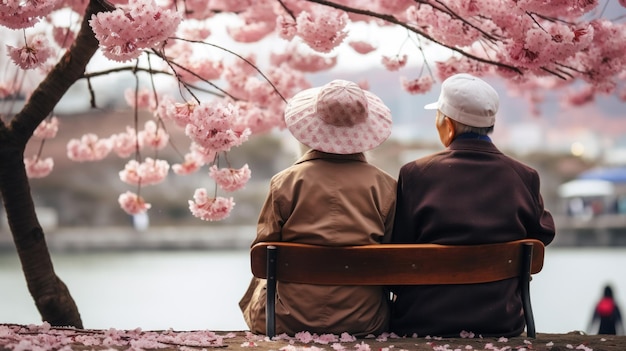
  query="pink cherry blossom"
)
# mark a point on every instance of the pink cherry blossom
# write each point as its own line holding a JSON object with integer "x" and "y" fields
{"x": 153, "y": 136}
{"x": 571, "y": 9}
{"x": 211, "y": 127}
{"x": 287, "y": 27}
{"x": 361, "y": 46}
{"x": 455, "y": 65}
{"x": 193, "y": 162}
{"x": 143, "y": 99}
{"x": 47, "y": 129}
{"x": 304, "y": 337}
{"x": 420, "y": 85}
{"x": 63, "y": 36}
{"x": 580, "y": 97}
{"x": 396, "y": 6}
{"x": 24, "y": 14}
{"x": 194, "y": 30}
{"x": 37, "y": 167}
{"x": 345, "y": 337}
{"x": 149, "y": 172}
{"x": 256, "y": 119}
{"x": 88, "y": 148}
{"x": 326, "y": 339}
{"x": 466, "y": 334}
{"x": 362, "y": 346}
{"x": 179, "y": 113}
{"x": 133, "y": 204}
{"x": 125, "y": 144}
{"x": 304, "y": 62}
{"x": 153, "y": 171}
{"x": 259, "y": 20}
{"x": 118, "y": 30}
{"x": 33, "y": 54}
{"x": 457, "y": 32}
{"x": 203, "y": 154}
{"x": 322, "y": 28}
{"x": 230, "y": 179}
{"x": 394, "y": 63}
{"x": 203, "y": 69}
{"x": 210, "y": 209}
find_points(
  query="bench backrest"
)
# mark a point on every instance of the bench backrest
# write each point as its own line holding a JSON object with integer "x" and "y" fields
{"x": 397, "y": 264}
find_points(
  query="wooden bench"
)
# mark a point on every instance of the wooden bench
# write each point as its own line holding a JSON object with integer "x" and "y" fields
{"x": 396, "y": 264}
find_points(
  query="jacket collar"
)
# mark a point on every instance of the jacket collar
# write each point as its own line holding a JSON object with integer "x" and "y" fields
{"x": 316, "y": 154}
{"x": 473, "y": 144}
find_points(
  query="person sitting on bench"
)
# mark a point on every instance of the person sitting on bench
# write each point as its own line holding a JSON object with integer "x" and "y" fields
{"x": 331, "y": 196}
{"x": 470, "y": 193}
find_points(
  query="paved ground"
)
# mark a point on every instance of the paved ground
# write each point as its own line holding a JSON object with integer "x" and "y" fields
{"x": 43, "y": 337}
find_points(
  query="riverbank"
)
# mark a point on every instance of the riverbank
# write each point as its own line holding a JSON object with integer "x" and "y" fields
{"x": 44, "y": 337}
{"x": 81, "y": 239}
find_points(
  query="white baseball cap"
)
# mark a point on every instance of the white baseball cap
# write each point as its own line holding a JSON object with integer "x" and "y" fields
{"x": 467, "y": 99}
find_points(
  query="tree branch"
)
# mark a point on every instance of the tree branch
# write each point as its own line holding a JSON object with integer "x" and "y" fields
{"x": 392, "y": 19}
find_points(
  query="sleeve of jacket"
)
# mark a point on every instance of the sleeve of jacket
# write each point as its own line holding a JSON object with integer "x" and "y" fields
{"x": 270, "y": 222}
{"x": 544, "y": 229}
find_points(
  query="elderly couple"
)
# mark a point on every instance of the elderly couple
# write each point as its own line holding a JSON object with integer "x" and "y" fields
{"x": 470, "y": 193}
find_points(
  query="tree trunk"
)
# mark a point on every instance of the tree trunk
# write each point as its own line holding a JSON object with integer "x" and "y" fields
{"x": 52, "y": 298}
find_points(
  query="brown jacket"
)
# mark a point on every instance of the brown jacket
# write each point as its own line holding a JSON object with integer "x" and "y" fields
{"x": 325, "y": 199}
{"x": 470, "y": 193}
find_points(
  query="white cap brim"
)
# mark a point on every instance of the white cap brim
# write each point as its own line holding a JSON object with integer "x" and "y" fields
{"x": 432, "y": 106}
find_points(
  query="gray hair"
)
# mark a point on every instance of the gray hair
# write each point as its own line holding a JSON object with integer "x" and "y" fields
{"x": 463, "y": 128}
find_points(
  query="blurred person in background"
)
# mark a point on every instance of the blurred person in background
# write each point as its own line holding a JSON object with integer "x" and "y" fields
{"x": 606, "y": 315}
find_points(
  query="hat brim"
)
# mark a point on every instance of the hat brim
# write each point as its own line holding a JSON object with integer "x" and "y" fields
{"x": 304, "y": 124}
{"x": 432, "y": 106}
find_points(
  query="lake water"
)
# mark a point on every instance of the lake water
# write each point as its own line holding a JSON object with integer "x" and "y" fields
{"x": 199, "y": 290}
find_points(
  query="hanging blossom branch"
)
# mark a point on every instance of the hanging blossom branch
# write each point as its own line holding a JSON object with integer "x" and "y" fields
{"x": 394, "y": 20}
{"x": 446, "y": 9}
{"x": 243, "y": 59}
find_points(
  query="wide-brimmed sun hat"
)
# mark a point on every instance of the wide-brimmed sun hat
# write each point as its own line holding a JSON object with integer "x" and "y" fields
{"x": 338, "y": 118}
{"x": 467, "y": 99}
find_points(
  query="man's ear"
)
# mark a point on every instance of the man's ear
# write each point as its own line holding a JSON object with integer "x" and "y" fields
{"x": 450, "y": 130}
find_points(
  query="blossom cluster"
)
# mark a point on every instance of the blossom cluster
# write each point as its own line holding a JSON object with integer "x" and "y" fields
{"x": 124, "y": 33}
{"x": 210, "y": 208}
{"x": 230, "y": 179}
{"x": 34, "y": 54}
{"x": 213, "y": 126}
{"x": 322, "y": 28}
{"x": 37, "y": 166}
{"x": 23, "y": 14}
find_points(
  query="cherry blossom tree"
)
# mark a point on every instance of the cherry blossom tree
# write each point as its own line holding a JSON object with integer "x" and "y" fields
{"x": 572, "y": 47}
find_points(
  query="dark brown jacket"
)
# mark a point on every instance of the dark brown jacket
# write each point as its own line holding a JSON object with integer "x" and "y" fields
{"x": 469, "y": 193}
{"x": 333, "y": 200}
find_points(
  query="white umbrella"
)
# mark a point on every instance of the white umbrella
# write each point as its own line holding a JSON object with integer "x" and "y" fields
{"x": 586, "y": 187}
